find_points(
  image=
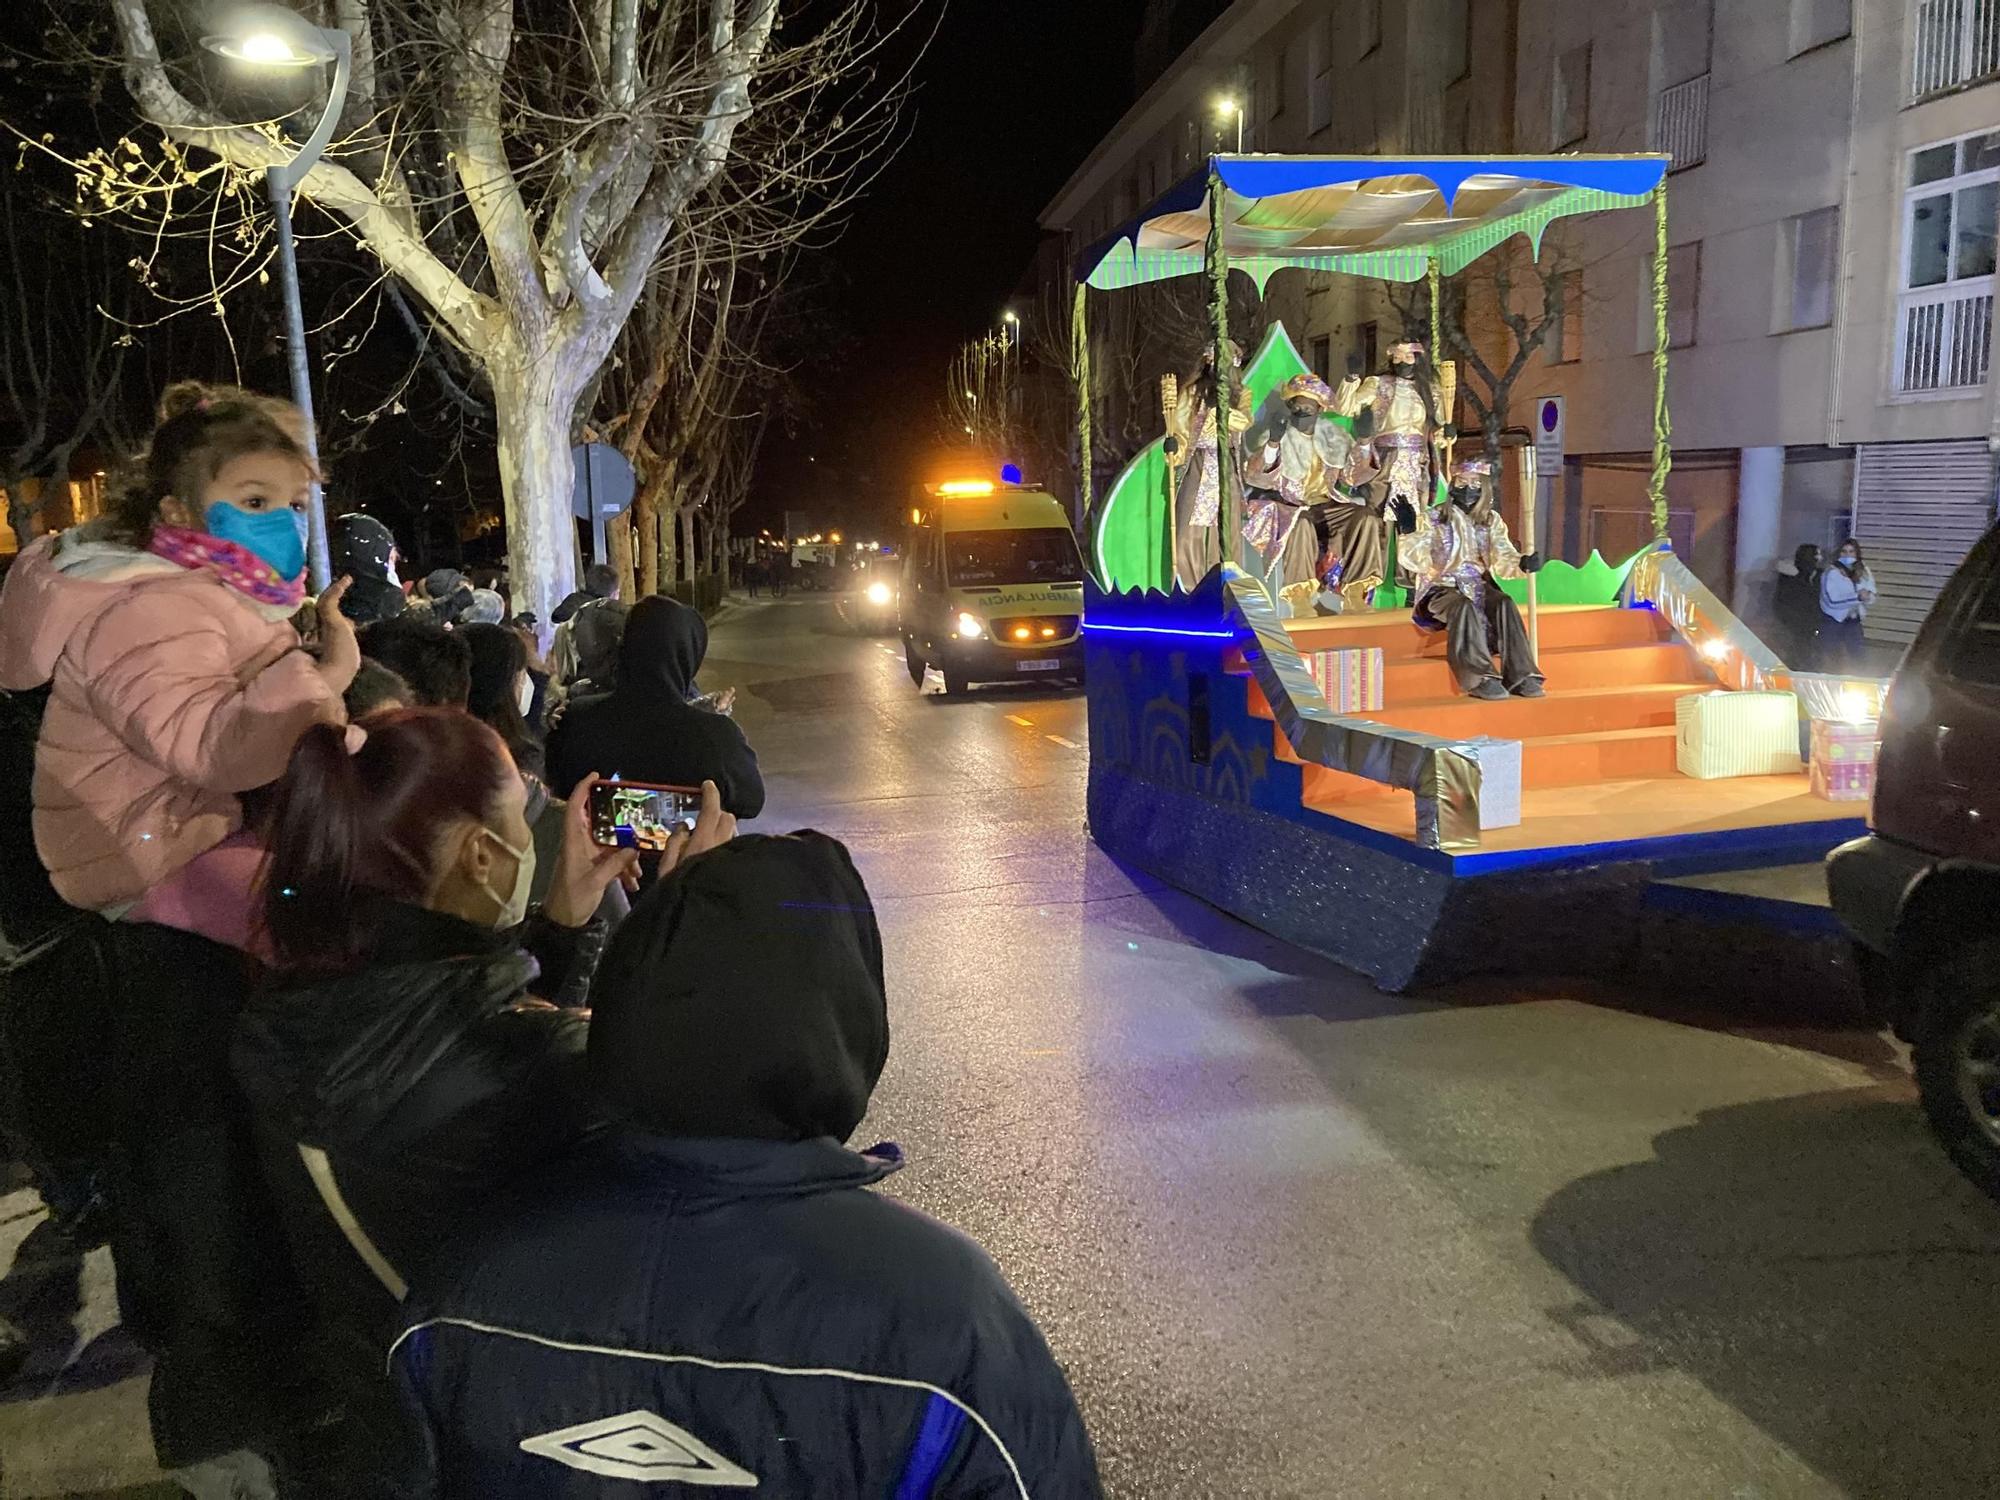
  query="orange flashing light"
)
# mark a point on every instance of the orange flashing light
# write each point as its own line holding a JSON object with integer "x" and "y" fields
{"x": 1020, "y": 632}
{"x": 959, "y": 488}
{"x": 916, "y": 518}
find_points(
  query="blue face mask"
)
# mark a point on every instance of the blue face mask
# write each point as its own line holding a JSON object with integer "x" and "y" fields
{"x": 277, "y": 536}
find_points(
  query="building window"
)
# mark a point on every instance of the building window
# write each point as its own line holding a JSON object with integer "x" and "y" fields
{"x": 1321, "y": 83}
{"x": 1952, "y": 42}
{"x": 1367, "y": 345}
{"x": 1322, "y": 356}
{"x": 1277, "y": 79}
{"x": 1564, "y": 342}
{"x": 1944, "y": 313}
{"x": 1808, "y": 251}
{"x": 1680, "y": 123}
{"x": 1569, "y": 105}
{"x": 1455, "y": 40}
{"x": 1817, "y": 22}
{"x": 1683, "y": 296}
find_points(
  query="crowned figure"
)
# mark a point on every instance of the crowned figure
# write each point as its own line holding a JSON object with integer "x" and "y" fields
{"x": 1457, "y": 553}
{"x": 1402, "y": 416}
{"x": 1288, "y": 471}
{"x": 1195, "y": 456}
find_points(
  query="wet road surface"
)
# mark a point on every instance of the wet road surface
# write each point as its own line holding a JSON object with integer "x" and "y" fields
{"x": 1292, "y": 1237}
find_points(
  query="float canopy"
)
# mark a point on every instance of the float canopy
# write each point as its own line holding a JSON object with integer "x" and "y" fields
{"x": 1378, "y": 216}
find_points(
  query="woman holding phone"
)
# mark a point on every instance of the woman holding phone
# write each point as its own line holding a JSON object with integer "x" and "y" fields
{"x": 407, "y": 1064}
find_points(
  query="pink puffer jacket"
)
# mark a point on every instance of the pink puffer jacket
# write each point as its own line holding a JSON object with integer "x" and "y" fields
{"x": 171, "y": 694}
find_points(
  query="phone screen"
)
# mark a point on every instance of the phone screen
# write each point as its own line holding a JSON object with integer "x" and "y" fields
{"x": 635, "y": 815}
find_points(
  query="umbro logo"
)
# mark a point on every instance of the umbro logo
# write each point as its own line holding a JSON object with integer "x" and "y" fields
{"x": 642, "y": 1447}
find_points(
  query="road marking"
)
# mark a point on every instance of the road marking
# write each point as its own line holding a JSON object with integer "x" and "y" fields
{"x": 1017, "y": 719}
{"x": 1066, "y": 744}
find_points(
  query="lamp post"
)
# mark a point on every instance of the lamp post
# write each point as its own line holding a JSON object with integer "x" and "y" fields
{"x": 270, "y": 36}
{"x": 1226, "y": 107}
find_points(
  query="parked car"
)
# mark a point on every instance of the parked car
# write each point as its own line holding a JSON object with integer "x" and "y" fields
{"x": 1920, "y": 894}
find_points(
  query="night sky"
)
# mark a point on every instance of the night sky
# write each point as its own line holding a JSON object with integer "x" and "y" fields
{"x": 1013, "y": 94}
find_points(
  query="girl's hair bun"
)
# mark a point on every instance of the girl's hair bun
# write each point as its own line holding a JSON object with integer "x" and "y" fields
{"x": 183, "y": 397}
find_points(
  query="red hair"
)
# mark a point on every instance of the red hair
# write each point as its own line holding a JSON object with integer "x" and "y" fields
{"x": 348, "y": 831}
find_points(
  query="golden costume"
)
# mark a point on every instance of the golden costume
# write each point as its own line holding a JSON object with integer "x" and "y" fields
{"x": 1194, "y": 459}
{"x": 1456, "y": 555}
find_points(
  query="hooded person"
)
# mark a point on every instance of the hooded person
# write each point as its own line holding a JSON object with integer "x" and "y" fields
{"x": 646, "y": 729}
{"x": 711, "y": 1285}
{"x": 365, "y": 550}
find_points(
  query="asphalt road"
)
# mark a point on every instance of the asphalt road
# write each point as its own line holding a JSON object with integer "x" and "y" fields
{"x": 1295, "y": 1238}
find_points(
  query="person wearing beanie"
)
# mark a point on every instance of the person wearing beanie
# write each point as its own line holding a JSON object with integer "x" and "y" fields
{"x": 709, "y": 1292}
{"x": 485, "y": 608}
{"x": 365, "y": 550}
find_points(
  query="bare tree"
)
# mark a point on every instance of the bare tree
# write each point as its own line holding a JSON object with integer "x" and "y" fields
{"x": 982, "y": 395}
{"x": 62, "y": 352}
{"x": 1494, "y": 317}
{"x": 519, "y": 181}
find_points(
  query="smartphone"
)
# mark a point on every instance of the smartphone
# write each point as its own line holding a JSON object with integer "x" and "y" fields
{"x": 639, "y": 815}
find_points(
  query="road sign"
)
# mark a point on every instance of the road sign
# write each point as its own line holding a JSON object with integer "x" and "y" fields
{"x": 1549, "y": 436}
{"x": 604, "y": 487}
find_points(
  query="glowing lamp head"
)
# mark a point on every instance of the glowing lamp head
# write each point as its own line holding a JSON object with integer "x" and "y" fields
{"x": 880, "y": 594}
{"x": 916, "y": 518}
{"x": 970, "y": 628}
{"x": 270, "y": 36}
{"x": 1022, "y": 633}
{"x": 962, "y": 488}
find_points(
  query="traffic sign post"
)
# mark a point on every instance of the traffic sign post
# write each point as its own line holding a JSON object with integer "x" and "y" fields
{"x": 605, "y": 486}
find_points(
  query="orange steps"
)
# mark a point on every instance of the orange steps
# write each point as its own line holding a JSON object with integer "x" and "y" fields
{"x": 1613, "y": 676}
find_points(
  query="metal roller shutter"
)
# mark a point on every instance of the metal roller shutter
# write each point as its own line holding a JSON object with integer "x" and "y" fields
{"x": 1918, "y": 508}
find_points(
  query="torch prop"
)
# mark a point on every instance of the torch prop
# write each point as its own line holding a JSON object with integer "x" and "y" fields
{"x": 1447, "y": 379}
{"x": 1526, "y": 477}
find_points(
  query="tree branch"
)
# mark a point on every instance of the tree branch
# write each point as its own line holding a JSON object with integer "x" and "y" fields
{"x": 332, "y": 187}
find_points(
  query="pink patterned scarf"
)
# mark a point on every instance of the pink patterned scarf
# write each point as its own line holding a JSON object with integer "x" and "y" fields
{"x": 239, "y": 567}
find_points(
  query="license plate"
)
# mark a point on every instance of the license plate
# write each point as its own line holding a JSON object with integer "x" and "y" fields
{"x": 1038, "y": 666}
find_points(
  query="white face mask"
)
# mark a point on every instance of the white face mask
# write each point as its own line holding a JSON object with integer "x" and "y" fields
{"x": 514, "y": 907}
{"x": 524, "y": 694}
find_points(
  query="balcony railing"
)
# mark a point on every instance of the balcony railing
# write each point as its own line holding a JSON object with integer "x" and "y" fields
{"x": 1944, "y": 337}
{"x": 1680, "y": 121}
{"x": 1952, "y": 42}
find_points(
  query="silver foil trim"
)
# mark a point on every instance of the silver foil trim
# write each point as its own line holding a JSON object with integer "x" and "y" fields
{"x": 1441, "y": 775}
{"x": 1662, "y": 580}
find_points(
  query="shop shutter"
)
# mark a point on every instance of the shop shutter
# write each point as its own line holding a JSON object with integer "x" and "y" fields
{"x": 1918, "y": 508}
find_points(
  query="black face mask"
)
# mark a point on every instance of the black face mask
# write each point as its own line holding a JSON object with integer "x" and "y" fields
{"x": 1465, "y": 498}
{"x": 1405, "y": 372}
{"x": 1304, "y": 416}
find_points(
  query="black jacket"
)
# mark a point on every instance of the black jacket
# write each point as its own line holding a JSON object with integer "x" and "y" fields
{"x": 645, "y": 729}
{"x": 754, "y": 1299}
{"x": 428, "y": 1079}
{"x": 713, "y": 1291}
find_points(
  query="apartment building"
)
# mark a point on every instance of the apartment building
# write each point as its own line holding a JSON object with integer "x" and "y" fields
{"x": 1832, "y": 210}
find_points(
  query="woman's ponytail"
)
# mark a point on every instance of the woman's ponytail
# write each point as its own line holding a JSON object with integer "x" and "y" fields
{"x": 349, "y": 832}
{"x": 314, "y": 837}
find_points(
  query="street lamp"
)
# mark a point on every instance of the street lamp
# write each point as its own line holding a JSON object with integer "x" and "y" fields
{"x": 1013, "y": 321}
{"x": 271, "y": 36}
{"x": 1226, "y": 106}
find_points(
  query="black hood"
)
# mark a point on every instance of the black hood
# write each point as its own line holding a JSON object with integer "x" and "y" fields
{"x": 743, "y": 997}
{"x": 665, "y": 642}
{"x": 361, "y": 546}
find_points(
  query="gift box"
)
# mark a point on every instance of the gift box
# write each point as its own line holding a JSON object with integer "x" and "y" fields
{"x": 1350, "y": 681}
{"x": 1843, "y": 759}
{"x": 1499, "y": 779}
{"x": 1737, "y": 734}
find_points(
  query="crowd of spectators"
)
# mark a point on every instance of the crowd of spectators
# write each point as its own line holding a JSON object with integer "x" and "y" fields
{"x": 443, "y": 1149}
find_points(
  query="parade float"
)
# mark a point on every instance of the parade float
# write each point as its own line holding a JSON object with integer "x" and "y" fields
{"x": 1340, "y": 779}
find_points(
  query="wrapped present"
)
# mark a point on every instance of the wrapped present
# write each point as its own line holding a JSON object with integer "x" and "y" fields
{"x": 1499, "y": 779}
{"x": 1737, "y": 734}
{"x": 1843, "y": 759}
{"x": 1350, "y": 681}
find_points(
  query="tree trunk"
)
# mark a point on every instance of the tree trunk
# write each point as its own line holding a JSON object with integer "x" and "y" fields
{"x": 688, "y": 554}
{"x": 24, "y": 514}
{"x": 618, "y": 536}
{"x": 534, "y": 397}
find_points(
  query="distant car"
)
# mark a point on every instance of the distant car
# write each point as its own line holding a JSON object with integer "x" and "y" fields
{"x": 870, "y": 601}
{"x": 1920, "y": 894}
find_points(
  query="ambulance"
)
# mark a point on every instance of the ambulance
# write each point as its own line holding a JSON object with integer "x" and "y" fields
{"x": 992, "y": 587}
